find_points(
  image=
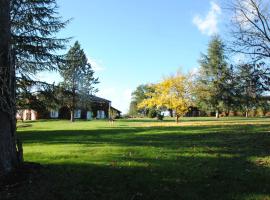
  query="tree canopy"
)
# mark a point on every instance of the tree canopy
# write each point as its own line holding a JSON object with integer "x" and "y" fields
{"x": 78, "y": 76}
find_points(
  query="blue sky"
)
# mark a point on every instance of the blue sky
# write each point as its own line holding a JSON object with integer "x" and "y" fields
{"x": 132, "y": 42}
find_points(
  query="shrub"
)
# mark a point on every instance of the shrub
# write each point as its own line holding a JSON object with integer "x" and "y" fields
{"x": 152, "y": 113}
{"x": 160, "y": 116}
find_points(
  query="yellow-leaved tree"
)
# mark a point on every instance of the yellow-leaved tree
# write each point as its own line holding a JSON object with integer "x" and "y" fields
{"x": 172, "y": 93}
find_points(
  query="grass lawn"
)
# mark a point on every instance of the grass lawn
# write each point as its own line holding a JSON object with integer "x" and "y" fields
{"x": 200, "y": 158}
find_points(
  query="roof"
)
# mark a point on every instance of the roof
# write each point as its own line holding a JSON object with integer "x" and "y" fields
{"x": 94, "y": 98}
{"x": 116, "y": 109}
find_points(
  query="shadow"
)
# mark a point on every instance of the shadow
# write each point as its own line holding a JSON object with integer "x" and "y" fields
{"x": 183, "y": 178}
{"x": 190, "y": 162}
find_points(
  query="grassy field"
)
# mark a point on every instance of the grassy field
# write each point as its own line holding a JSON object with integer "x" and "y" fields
{"x": 200, "y": 158}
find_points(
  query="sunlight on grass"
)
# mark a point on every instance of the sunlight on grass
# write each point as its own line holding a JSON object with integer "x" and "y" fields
{"x": 224, "y": 157}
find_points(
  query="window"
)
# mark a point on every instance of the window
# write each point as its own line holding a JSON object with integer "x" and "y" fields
{"x": 100, "y": 114}
{"x": 77, "y": 114}
{"x": 54, "y": 114}
{"x": 89, "y": 115}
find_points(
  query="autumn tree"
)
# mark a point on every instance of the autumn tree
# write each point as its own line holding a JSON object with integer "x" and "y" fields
{"x": 78, "y": 75}
{"x": 172, "y": 93}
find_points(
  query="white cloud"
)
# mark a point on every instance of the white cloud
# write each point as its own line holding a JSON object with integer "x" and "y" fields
{"x": 209, "y": 24}
{"x": 97, "y": 65}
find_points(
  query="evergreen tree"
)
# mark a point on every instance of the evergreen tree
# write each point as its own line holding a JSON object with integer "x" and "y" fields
{"x": 250, "y": 87}
{"x": 10, "y": 150}
{"x": 34, "y": 24}
{"x": 27, "y": 45}
{"x": 78, "y": 77}
{"x": 213, "y": 86}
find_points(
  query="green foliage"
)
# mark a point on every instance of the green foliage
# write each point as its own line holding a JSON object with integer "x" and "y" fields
{"x": 133, "y": 111}
{"x": 77, "y": 73}
{"x": 213, "y": 87}
{"x": 250, "y": 86}
{"x": 160, "y": 116}
{"x": 79, "y": 81}
{"x": 140, "y": 94}
{"x": 35, "y": 95}
{"x": 152, "y": 113}
{"x": 34, "y": 24}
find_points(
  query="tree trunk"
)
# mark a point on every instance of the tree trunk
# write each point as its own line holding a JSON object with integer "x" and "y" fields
{"x": 9, "y": 155}
{"x": 177, "y": 119}
{"x": 72, "y": 119}
{"x": 217, "y": 114}
{"x": 171, "y": 112}
{"x": 246, "y": 114}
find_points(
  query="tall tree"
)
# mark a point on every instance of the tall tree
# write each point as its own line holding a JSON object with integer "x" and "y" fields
{"x": 78, "y": 76}
{"x": 250, "y": 88}
{"x": 212, "y": 85}
{"x": 251, "y": 32}
{"x": 250, "y": 27}
{"x": 28, "y": 45}
{"x": 9, "y": 158}
{"x": 34, "y": 25}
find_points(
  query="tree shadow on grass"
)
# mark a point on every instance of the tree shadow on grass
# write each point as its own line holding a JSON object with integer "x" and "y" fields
{"x": 207, "y": 162}
{"x": 183, "y": 178}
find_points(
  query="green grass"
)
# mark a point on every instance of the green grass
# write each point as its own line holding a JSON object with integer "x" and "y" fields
{"x": 201, "y": 158}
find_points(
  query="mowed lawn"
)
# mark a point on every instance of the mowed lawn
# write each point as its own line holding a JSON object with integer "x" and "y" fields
{"x": 200, "y": 158}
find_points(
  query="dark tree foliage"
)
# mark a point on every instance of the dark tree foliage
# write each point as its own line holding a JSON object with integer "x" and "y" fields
{"x": 78, "y": 75}
{"x": 251, "y": 34}
{"x": 36, "y": 95}
{"x": 34, "y": 24}
{"x": 215, "y": 78}
{"x": 250, "y": 27}
{"x": 250, "y": 87}
{"x": 10, "y": 149}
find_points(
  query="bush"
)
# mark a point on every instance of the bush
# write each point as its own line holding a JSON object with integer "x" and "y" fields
{"x": 152, "y": 113}
{"x": 160, "y": 116}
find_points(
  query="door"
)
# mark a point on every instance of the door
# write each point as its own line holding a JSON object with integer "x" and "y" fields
{"x": 89, "y": 115}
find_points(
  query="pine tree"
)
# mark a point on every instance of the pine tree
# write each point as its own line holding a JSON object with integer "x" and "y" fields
{"x": 78, "y": 77}
{"x": 27, "y": 45}
{"x": 214, "y": 77}
{"x": 250, "y": 87}
{"x": 9, "y": 157}
{"x": 34, "y": 24}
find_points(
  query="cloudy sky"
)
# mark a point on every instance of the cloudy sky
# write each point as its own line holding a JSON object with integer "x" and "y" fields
{"x": 132, "y": 42}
